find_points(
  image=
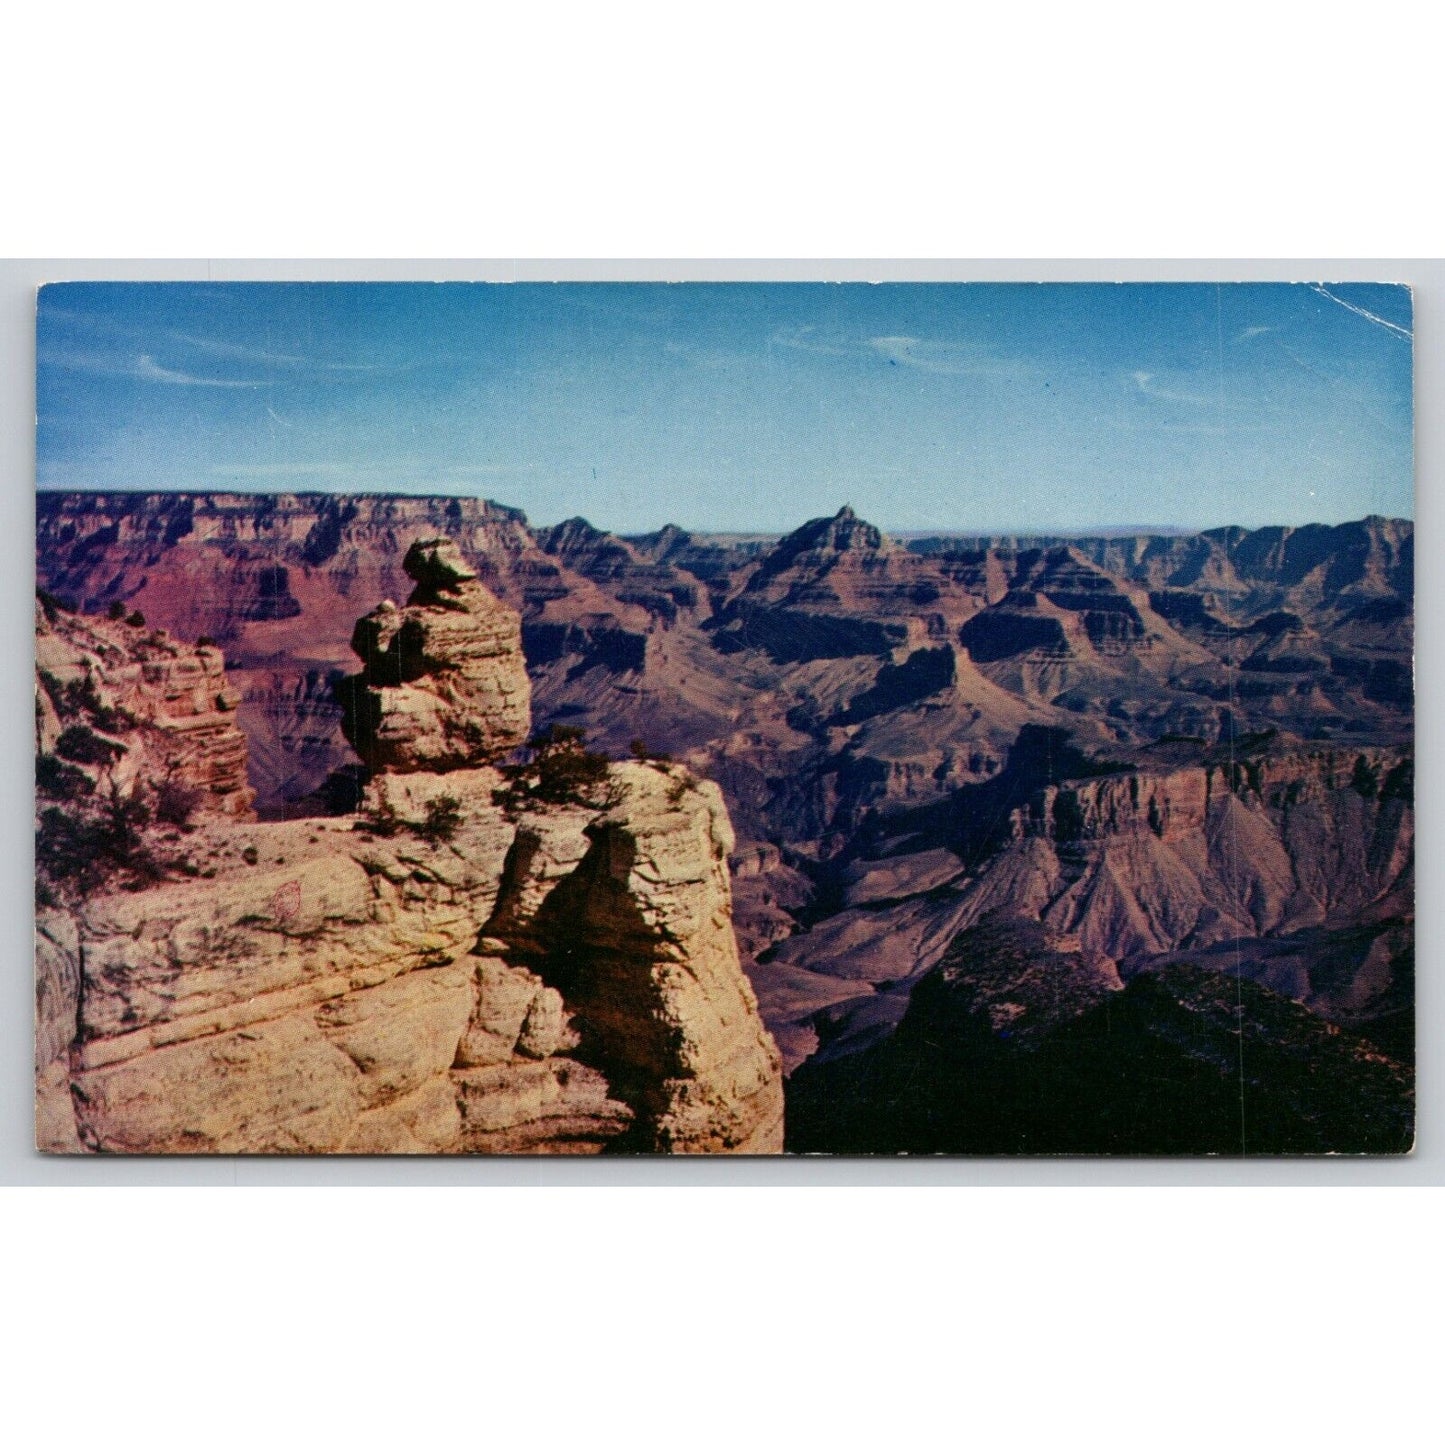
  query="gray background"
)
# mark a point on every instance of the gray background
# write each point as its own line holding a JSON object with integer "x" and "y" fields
{"x": 19, "y": 1164}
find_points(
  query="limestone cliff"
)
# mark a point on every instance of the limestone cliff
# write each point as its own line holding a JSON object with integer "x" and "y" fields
{"x": 1288, "y": 864}
{"x": 461, "y": 966}
{"x": 119, "y": 697}
{"x": 639, "y": 938}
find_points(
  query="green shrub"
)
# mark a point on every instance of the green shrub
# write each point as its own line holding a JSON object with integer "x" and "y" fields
{"x": 56, "y": 779}
{"x": 79, "y": 744}
{"x": 177, "y": 801}
{"x": 83, "y": 847}
{"x": 564, "y": 771}
{"x": 443, "y": 818}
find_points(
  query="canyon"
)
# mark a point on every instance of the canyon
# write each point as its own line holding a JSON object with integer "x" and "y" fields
{"x": 1011, "y": 793}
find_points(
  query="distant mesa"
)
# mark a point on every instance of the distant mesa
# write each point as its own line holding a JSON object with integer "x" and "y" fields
{"x": 843, "y": 532}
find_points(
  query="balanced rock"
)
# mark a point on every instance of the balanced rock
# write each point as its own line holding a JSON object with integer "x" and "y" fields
{"x": 444, "y": 683}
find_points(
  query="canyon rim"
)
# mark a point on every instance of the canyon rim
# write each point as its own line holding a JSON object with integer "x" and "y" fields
{"x": 819, "y": 760}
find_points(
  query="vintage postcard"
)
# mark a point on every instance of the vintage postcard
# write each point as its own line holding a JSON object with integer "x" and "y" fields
{"x": 968, "y": 719}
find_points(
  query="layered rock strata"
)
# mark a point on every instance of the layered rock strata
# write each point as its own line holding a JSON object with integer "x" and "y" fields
{"x": 1289, "y": 866}
{"x": 639, "y": 938}
{"x": 459, "y": 967}
{"x": 444, "y": 684}
{"x": 139, "y": 705}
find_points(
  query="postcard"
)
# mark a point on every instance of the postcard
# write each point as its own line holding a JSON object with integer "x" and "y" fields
{"x": 631, "y": 718}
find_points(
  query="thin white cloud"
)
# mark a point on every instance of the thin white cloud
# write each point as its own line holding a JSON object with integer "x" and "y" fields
{"x": 806, "y": 338}
{"x": 257, "y": 356}
{"x": 140, "y": 368}
{"x": 1250, "y": 332}
{"x": 902, "y": 350}
{"x": 1147, "y": 386}
{"x": 210, "y": 346}
{"x": 147, "y": 368}
{"x": 941, "y": 358}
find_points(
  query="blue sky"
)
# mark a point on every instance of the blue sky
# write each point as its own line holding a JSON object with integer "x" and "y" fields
{"x": 746, "y": 407}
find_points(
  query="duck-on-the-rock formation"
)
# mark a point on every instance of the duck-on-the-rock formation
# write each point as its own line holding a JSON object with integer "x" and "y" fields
{"x": 444, "y": 684}
{"x": 458, "y": 967}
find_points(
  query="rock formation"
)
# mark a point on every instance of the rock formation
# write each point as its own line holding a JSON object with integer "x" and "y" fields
{"x": 461, "y": 966}
{"x": 639, "y": 939}
{"x": 130, "y": 701}
{"x": 1214, "y": 856}
{"x": 1158, "y": 749}
{"x": 444, "y": 684}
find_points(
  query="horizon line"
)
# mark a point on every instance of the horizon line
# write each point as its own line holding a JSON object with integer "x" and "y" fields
{"x": 905, "y": 534}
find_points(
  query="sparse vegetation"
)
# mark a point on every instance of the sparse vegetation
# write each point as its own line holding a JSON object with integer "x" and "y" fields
{"x": 80, "y": 744}
{"x": 562, "y": 770}
{"x": 136, "y": 619}
{"x": 51, "y": 605}
{"x": 443, "y": 818}
{"x": 80, "y": 697}
{"x": 176, "y": 801}
{"x": 84, "y": 845}
{"x": 61, "y": 780}
{"x": 382, "y": 820}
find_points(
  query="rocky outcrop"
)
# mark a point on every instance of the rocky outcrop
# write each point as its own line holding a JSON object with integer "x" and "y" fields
{"x": 57, "y": 1021}
{"x": 278, "y": 581}
{"x": 639, "y": 940}
{"x": 129, "y": 701}
{"x": 333, "y": 995}
{"x": 136, "y": 747}
{"x": 444, "y": 683}
{"x": 459, "y": 967}
{"x": 322, "y": 974}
